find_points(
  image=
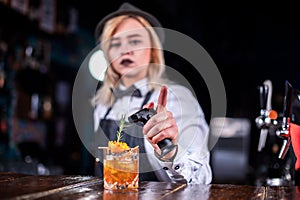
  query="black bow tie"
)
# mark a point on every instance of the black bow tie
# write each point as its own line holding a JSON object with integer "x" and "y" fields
{"x": 131, "y": 91}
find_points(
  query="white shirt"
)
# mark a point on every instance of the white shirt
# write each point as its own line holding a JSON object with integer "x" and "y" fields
{"x": 192, "y": 159}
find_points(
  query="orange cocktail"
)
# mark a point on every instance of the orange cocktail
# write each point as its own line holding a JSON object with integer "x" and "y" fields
{"x": 121, "y": 167}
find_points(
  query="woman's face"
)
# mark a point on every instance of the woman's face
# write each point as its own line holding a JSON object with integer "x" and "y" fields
{"x": 130, "y": 49}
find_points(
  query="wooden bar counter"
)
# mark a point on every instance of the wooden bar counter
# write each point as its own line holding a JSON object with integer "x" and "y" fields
{"x": 21, "y": 186}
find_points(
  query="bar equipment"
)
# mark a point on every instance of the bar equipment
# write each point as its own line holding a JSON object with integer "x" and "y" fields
{"x": 277, "y": 169}
{"x": 283, "y": 130}
{"x": 140, "y": 118}
{"x": 268, "y": 117}
{"x": 286, "y": 127}
{"x": 289, "y": 130}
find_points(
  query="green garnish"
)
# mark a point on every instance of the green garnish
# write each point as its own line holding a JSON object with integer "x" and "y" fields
{"x": 121, "y": 128}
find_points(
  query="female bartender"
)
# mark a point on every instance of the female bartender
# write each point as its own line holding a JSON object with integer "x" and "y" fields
{"x": 135, "y": 79}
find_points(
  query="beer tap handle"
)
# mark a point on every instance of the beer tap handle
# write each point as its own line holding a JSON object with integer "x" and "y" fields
{"x": 263, "y": 90}
{"x": 287, "y": 104}
{"x": 262, "y": 139}
{"x": 268, "y": 85}
{"x": 285, "y": 147}
{"x": 265, "y": 93}
{"x": 284, "y": 132}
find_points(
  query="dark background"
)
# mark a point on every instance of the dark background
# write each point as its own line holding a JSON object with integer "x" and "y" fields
{"x": 249, "y": 43}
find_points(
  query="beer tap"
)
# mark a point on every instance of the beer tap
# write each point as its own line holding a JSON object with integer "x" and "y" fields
{"x": 268, "y": 117}
{"x": 284, "y": 130}
{"x": 287, "y": 127}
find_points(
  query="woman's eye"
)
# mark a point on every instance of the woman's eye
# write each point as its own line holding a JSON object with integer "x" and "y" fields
{"x": 135, "y": 42}
{"x": 114, "y": 44}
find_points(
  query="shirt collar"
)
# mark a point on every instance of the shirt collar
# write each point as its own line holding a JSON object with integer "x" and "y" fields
{"x": 142, "y": 85}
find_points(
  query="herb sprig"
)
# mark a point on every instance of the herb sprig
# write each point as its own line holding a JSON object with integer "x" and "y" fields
{"x": 121, "y": 128}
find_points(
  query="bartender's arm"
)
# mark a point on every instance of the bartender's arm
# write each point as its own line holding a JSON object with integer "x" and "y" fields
{"x": 190, "y": 162}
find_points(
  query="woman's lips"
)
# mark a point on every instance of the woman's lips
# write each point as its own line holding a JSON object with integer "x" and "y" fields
{"x": 126, "y": 62}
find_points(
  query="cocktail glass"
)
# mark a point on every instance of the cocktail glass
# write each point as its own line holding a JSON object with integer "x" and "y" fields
{"x": 121, "y": 169}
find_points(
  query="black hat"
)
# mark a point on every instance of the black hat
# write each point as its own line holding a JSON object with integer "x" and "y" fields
{"x": 127, "y": 8}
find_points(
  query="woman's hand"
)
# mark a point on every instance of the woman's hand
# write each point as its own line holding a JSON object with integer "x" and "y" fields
{"x": 162, "y": 125}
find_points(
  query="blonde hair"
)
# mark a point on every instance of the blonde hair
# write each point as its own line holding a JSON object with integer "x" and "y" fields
{"x": 156, "y": 69}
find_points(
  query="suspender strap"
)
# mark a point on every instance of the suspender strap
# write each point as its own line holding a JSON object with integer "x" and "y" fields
{"x": 148, "y": 95}
{"x": 107, "y": 112}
